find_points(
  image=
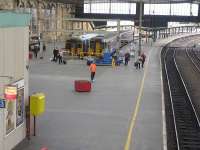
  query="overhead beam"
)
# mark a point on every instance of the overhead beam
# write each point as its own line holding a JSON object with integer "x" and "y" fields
{"x": 89, "y": 20}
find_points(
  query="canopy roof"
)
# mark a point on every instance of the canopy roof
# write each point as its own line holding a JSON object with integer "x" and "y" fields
{"x": 145, "y": 1}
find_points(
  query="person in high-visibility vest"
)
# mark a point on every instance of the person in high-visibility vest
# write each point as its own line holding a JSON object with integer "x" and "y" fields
{"x": 92, "y": 70}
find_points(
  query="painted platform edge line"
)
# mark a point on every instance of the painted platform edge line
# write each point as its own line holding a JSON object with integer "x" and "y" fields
{"x": 164, "y": 128}
{"x": 136, "y": 110}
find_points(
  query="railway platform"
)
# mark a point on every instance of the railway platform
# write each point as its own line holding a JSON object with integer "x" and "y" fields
{"x": 124, "y": 110}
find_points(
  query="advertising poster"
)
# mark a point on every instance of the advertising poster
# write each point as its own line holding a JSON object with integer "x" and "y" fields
{"x": 10, "y": 116}
{"x": 20, "y": 106}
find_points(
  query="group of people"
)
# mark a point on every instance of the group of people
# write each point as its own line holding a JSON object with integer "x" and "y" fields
{"x": 138, "y": 64}
{"x": 36, "y": 49}
{"x": 58, "y": 56}
{"x": 140, "y": 61}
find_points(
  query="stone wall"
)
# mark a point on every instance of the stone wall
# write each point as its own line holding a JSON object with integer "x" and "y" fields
{"x": 47, "y": 17}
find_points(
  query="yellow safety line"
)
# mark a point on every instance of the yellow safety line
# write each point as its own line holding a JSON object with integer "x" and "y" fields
{"x": 135, "y": 113}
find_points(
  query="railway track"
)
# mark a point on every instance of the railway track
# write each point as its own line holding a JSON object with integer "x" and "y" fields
{"x": 185, "y": 120}
{"x": 194, "y": 57}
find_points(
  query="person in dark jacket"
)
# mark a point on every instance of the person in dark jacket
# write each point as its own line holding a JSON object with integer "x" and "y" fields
{"x": 55, "y": 54}
{"x": 143, "y": 56}
{"x": 35, "y": 51}
{"x": 44, "y": 48}
{"x": 127, "y": 58}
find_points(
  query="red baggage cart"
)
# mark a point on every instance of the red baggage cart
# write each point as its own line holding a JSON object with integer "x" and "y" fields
{"x": 82, "y": 86}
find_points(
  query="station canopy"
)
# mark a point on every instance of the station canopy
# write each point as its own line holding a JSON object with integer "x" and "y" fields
{"x": 133, "y": 1}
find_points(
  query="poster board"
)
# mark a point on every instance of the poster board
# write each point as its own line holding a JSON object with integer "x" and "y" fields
{"x": 14, "y": 110}
{"x": 20, "y": 114}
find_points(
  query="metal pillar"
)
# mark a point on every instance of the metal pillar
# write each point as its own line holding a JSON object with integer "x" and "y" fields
{"x": 146, "y": 36}
{"x": 38, "y": 18}
{"x": 154, "y": 35}
{"x": 56, "y": 22}
{"x": 140, "y": 26}
{"x": 134, "y": 33}
{"x": 118, "y": 35}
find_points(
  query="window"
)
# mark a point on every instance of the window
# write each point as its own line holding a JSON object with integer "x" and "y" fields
{"x": 111, "y": 23}
{"x": 184, "y": 9}
{"x": 180, "y": 24}
{"x": 120, "y": 8}
{"x": 180, "y": 9}
{"x": 157, "y": 9}
{"x": 100, "y": 8}
{"x": 110, "y": 8}
{"x": 86, "y": 8}
{"x": 132, "y": 8}
{"x": 126, "y": 22}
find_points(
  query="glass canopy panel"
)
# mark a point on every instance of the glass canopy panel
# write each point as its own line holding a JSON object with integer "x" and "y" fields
{"x": 100, "y": 8}
{"x": 110, "y": 8}
{"x": 86, "y": 8}
{"x": 184, "y": 9}
{"x": 157, "y": 9}
{"x": 180, "y": 9}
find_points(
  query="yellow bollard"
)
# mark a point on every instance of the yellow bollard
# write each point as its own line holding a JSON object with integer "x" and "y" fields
{"x": 113, "y": 63}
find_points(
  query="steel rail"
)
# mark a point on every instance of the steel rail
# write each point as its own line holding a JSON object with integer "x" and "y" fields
{"x": 185, "y": 119}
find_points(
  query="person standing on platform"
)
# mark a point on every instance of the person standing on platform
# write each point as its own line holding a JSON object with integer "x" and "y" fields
{"x": 55, "y": 54}
{"x": 127, "y": 58}
{"x": 60, "y": 56}
{"x": 35, "y": 50}
{"x": 92, "y": 70}
{"x": 143, "y": 56}
{"x": 137, "y": 63}
{"x": 44, "y": 50}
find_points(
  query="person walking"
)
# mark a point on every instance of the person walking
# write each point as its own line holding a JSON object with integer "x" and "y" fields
{"x": 127, "y": 58}
{"x": 143, "y": 56}
{"x": 35, "y": 50}
{"x": 60, "y": 56}
{"x": 55, "y": 54}
{"x": 43, "y": 50}
{"x": 92, "y": 70}
{"x": 137, "y": 63}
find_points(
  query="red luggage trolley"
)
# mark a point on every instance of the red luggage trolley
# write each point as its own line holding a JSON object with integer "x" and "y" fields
{"x": 82, "y": 85}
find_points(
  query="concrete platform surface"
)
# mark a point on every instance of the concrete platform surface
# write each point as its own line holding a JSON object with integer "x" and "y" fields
{"x": 83, "y": 121}
{"x": 99, "y": 120}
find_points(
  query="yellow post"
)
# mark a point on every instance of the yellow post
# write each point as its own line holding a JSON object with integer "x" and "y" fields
{"x": 113, "y": 63}
{"x": 90, "y": 52}
{"x": 98, "y": 49}
{"x": 72, "y": 51}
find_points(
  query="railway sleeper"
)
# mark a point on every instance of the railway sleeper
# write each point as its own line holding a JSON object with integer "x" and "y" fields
{"x": 191, "y": 143}
{"x": 191, "y": 139}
